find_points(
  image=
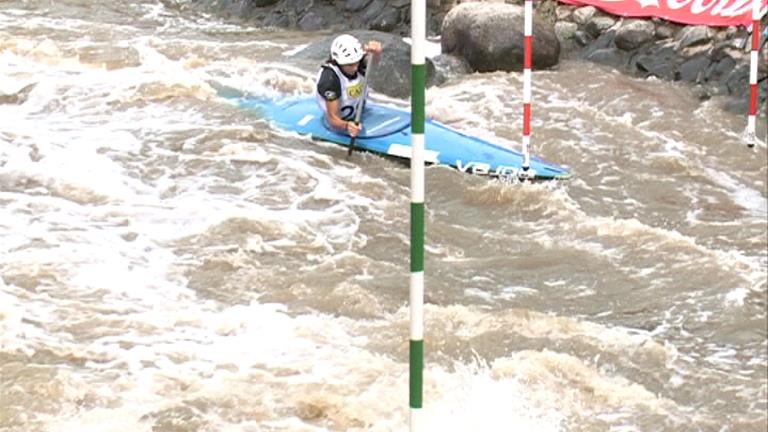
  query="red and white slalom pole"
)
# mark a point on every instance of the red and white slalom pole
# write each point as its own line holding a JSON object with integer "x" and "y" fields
{"x": 527, "y": 64}
{"x": 751, "y": 135}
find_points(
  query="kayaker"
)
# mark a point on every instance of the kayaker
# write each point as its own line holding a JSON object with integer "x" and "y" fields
{"x": 340, "y": 81}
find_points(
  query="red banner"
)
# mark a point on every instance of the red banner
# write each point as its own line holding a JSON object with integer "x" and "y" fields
{"x": 706, "y": 12}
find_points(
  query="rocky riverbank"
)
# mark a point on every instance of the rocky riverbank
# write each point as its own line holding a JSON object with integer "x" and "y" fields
{"x": 487, "y": 36}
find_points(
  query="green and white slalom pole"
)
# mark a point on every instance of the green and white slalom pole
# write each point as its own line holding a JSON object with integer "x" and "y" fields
{"x": 418, "y": 98}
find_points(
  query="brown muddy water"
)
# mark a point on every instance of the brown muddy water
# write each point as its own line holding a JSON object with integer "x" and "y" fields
{"x": 171, "y": 262}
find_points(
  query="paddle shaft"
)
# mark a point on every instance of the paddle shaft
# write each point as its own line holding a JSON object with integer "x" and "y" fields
{"x": 361, "y": 102}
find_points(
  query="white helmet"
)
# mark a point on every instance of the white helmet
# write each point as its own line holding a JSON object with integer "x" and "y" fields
{"x": 346, "y": 49}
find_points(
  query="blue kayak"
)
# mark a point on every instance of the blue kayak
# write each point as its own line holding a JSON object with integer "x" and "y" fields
{"x": 386, "y": 131}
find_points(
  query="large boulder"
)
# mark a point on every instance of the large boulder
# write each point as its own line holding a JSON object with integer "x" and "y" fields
{"x": 391, "y": 77}
{"x": 490, "y": 37}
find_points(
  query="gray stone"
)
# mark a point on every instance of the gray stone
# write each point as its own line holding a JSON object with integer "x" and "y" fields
{"x": 693, "y": 69}
{"x": 660, "y": 61}
{"x": 276, "y": 19}
{"x": 399, "y": 3}
{"x": 387, "y": 20}
{"x": 581, "y": 37}
{"x": 727, "y": 49}
{"x": 449, "y": 66}
{"x": 606, "y": 40}
{"x": 608, "y": 56}
{"x": 693, "y": 51}
{"x": 664, "y": 31}
{"x": 490, "y": 37}
{"x": 719, "y": 71}
{"x": 564, "y": 12}
{"x": 597, "y": 25}
{"x": 732, "y": 32}
{"x": 565, "y": 30}
{"x": 434, "y": 22}
{"x": 298, "y": 6}
{"x": 311, "y": 22}
{"x": 263, "y": 3}
{"x": 582, "y": 15}
{"x": 634, "y": 33}
{"x": 356, "y": 5}
{"x": 719, "y": 35}
{"x": 737, "y": 82}
{"x": 373, "y": 10}
{"x": 694, "y": 35}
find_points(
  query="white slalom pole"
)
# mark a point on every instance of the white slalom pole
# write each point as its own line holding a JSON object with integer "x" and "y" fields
{"x": 418, "y": 100}
{"x": 751, "y": 120}
{"x": 527, "y": 66}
